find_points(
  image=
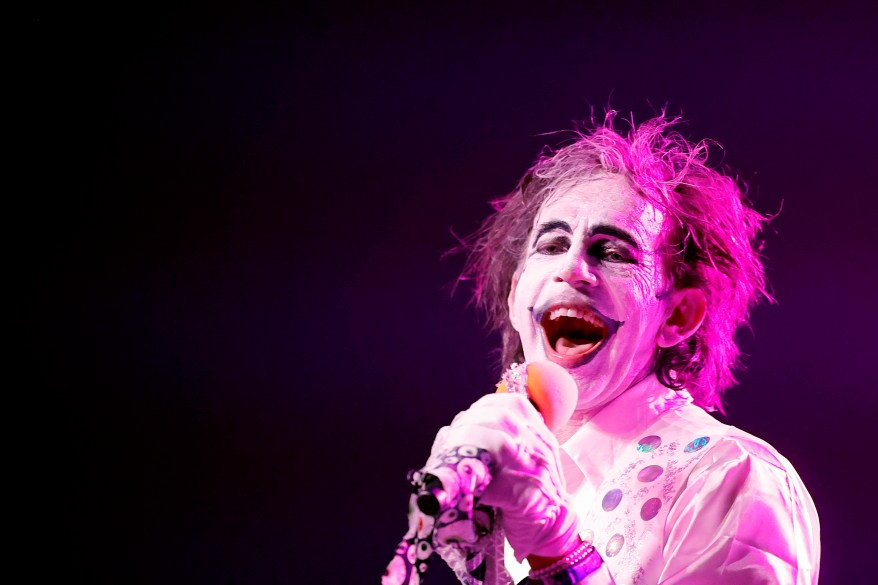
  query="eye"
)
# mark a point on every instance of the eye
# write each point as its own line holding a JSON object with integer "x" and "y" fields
{"x": 611, "y": 251}
{"x": 553, "y": 246}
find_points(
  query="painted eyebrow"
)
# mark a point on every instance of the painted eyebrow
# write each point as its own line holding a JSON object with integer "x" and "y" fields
{"x": 602, "y": 229}
{"x": 550, "y": 226}
{"x": 609, "y": 230}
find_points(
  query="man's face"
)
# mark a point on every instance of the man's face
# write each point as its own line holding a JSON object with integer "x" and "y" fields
{"x": 585, "y": 295}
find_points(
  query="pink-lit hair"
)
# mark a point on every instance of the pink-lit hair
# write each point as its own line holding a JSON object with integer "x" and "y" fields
{"x": 710, "y": 241}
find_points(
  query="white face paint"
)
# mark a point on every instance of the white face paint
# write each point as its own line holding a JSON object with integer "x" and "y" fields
{"x": 585, "y": 296}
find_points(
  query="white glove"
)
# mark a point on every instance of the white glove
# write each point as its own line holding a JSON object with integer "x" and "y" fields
{"x": 527, "y": 485}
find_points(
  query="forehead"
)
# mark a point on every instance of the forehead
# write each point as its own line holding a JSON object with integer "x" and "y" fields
{"x": 604, "y": 200}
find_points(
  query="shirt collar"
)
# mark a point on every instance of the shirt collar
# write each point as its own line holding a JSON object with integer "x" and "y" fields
{"x": 595, "y": 445}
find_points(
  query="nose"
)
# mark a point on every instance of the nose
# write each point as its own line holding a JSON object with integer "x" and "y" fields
{"x": 575, "y": 271}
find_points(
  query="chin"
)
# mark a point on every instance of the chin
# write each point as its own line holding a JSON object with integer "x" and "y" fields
{"x": 599, "y": 381}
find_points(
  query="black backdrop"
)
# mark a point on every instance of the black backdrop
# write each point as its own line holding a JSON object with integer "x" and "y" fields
{"x": 243, "y": 325}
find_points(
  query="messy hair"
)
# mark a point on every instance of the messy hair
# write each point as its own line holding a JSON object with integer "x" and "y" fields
{"x": 709, "y": 241}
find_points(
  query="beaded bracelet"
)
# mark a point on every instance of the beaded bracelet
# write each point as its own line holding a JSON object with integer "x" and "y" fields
{"x": 571, "y": 569}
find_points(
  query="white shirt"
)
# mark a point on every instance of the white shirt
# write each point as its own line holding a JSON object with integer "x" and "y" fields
{"x": 668, "y": 494}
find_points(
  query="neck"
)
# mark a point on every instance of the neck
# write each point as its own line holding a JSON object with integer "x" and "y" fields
{"x": 581, "y": 417}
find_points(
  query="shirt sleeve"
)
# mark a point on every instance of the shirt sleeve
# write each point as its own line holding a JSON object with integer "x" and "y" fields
{"x": 743, "y": 516}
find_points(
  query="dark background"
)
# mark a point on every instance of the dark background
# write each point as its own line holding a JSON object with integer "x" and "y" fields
{"x": 241, "y": 324}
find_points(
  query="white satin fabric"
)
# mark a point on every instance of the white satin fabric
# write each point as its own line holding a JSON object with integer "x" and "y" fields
{"x": 725, "y": 508}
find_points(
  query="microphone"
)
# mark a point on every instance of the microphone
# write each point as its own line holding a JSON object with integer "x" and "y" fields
{"x": 550, "y": 389}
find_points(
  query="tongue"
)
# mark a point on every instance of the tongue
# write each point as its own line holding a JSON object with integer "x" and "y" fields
{"x": 568, "y": 346}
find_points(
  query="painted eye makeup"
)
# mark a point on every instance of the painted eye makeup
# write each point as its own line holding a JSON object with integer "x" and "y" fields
{"x": 552, "y": 246}
{"x": 610, "y": 251}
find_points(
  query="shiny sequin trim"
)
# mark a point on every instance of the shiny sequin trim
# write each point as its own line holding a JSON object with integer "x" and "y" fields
{"x": 697, "y": 445}
{"x": 649, "y": 444}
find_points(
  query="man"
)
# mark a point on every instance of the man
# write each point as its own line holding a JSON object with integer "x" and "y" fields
{"x": 630, "y": 263}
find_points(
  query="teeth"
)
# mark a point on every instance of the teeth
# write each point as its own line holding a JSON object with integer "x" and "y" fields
{"x": 576, "y": 314}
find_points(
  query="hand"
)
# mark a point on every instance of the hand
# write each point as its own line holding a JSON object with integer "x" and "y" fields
{"x": 527, "y": 485}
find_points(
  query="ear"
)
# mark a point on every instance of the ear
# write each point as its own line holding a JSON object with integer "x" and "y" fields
{"x": 687, "y": 308}
{"x": 510, "y": 302}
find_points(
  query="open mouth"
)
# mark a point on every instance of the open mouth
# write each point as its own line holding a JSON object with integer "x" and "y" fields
{"x": 572, "y": 334}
